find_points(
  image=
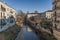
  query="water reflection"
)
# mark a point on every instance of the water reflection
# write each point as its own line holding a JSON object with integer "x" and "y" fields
{"x": 27, "y": 33}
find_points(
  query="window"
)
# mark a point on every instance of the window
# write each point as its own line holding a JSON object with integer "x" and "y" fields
{"x": 58, "y": 14}
{"x": 7, "y": 9}
{"x": 11, "y": 11}
{"x": 58, "y": 21}
{"x": 3, "y": 9}
{"x": 11, "y": 19}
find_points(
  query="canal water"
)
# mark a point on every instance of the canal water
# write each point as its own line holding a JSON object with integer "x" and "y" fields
{"x": 27, "y": 34}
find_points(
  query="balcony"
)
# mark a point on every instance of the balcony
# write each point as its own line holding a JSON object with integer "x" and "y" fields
{"x": 57, "y": 21}
{"x": 54, "y": 14}
{"x": 2, "y": 9}
{"x": 55, "y": 1}
{"x": 56, "y": 8}
{"x": 57, "y": 14}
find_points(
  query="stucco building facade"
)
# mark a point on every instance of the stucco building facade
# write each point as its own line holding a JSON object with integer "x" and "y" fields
{"x": 7, "y": 16}
{"x": 49, "y": 14}
{"x": 56, "y": 11}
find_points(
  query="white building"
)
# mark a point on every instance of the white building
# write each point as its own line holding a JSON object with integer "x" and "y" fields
{"x": 7, "y": 16}
{"x": 32, "y": 14}
{"x": 6, "y": 11}
{"x": 49, "y": 14}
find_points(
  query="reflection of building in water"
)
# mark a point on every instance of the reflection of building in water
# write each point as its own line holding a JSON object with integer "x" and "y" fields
{"x": 29, "y": 29}
{"x": 7, "y": 14}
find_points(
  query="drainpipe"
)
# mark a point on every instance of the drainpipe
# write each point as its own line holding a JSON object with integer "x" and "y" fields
{"x": 1, "y": 19}
{"x": 55, "y": 18}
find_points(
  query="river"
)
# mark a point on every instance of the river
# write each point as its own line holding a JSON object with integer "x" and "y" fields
{"x": 27, "y": 34}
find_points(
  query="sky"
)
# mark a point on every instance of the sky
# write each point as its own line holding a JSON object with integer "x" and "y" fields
{"x": 30, "y": 5}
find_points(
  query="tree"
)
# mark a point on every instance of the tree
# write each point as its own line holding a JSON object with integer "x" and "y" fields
{"x": 20, "y": 17}
{"x": 47, "y": 25}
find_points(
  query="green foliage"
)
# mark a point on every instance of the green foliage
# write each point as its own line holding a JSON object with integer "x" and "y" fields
{"x": 11, "y": 33}
{"x": 46, "y": 24}
{"x": 32, "y": 18}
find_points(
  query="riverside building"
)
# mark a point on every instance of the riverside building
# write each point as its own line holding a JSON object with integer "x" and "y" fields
{"x": 7, "y": 16}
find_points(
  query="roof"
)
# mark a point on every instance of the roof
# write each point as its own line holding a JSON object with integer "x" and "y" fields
{"x": 33, "y": 13}
{"x": 49, "y": 11}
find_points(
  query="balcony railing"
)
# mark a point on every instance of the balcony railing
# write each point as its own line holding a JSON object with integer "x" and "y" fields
{"x": 57, "y": 21}
{"x": 54, "y": 1}
{"x": 58, "y": 14}
{"x": 56, "y": 8}
{"x": 2, "y": 9}
{"x": 54, "y": 14}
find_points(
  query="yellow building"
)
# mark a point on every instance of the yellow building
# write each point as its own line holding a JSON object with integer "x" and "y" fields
{"x": 56, "y": 11}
